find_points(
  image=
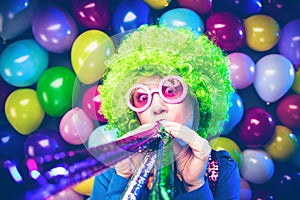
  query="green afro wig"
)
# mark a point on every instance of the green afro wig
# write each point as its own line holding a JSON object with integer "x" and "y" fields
{"x": 160, "y": 50}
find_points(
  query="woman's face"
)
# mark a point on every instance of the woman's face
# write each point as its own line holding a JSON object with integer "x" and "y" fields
{"x": 183, "y": 112}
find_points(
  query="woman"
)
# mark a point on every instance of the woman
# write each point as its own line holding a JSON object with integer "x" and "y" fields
{"x": 180, "y": 80}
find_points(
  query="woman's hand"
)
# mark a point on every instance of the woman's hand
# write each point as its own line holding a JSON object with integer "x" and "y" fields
{"x": 127, "y": 167}
{"x": 191, "y": 160}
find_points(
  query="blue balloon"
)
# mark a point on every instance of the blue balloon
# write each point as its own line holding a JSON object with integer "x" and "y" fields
{"x": 11, "y": 143}
{"x": 129, "y": 15}
{"x": 241, "y": 8}
{"x": 182, "y": 17}
{"x": 22, "y": 62}
{"x": 236, "y": 112}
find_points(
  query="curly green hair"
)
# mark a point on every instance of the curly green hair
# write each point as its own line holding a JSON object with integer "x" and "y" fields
{"x": 159, "y": 50}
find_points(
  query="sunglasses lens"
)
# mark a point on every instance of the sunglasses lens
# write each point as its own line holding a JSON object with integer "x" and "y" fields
{"x": 172, "y": 89}
{"x": 139, "y": 97}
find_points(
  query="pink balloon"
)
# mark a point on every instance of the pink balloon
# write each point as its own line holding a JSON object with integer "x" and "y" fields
{"x": 91, "y": 103}
{"x": 75, "y": 127}
{"x": 92, "y": 13}
{"x": 200, "y": 6}
{"x": 246, "y": 192}
{"x": 288, "y": 111}
{"x": 256, "y": 128}
{"x": 54, "y": 29}
{"x": 242, "y": 70}
{"x": 67, "y": 194}
{"x": 226, "y": 30}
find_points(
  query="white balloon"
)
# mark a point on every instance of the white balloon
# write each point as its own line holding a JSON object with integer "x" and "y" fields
{"x": 257, "y": 166}
{"x": 101, "y": 136}
{"x": 275, "y": 75}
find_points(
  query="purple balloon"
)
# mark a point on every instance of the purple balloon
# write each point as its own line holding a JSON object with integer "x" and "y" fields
{"x": 226, "y": 30}
{"x": 54, "y": 28}
{"x": 256, "y": 128}
{"x": 289, "y": 43}
{"x": 43, "y": 142}
{"x": 92, "y": 13}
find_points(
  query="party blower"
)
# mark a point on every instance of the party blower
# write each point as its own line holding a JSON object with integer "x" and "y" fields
{"x": 50, "y": 174}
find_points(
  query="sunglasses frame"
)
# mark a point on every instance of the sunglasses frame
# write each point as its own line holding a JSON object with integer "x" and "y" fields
{"x": 156, "y": 90}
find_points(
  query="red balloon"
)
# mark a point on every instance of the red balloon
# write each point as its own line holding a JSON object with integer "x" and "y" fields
{"x": 288, "y": 111}
{"x": 257, "y": 127}
{"x": 226, "y": 30}
{"x": 92, "y": 13}
{"x": 200, "y": 6}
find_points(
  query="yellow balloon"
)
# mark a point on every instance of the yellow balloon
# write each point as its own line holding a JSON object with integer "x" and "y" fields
{"x": 296, "y": 84}
{"x": 224, "y": 143}
{"x": 262, "y": 32}
{"x": 283, "y": 144}
{"x": 85, "y": 187}
{"x": 24, "y": 111}
{"x": 158, "y": 4}
{"x": 88, "y": 54}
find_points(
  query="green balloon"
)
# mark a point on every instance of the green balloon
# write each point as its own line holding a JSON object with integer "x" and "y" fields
{"x": 57, "y": 89}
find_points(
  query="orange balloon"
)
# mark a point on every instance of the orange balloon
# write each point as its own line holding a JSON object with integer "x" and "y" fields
{"x": 262, "y": 32}
{"x": 283, "y": 144}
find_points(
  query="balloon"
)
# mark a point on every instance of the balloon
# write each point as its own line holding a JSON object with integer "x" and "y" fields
{"x": 85, "y": 187}
{"x": 224, "y": 143}
{"x": 296, "y": 157}
{"x": 56, "y": 90}
{"x": 283, "y": 144}
{"x": 235, "y": 113}
{"x": 129, "y": 15}
{"x": 91, "y": 103}
{"x": 286, "y": 182}
{"x": 75, "y": 127}
{"x": 289, "y": 44}
{"x": 226, "y": 30}
{"x": 242, "y": 70}
{"x": 54, "y": 29}
{"x": 275, "y": 75}
{"x": 260, "y": 194}
{"x": 5, "y": 90}
{"x": 67, "y": 194}
{"x": 245, "y": 190}
{"x": 257, "y": 166}
{"x": 296, "y": 84}
{"x": 16, "y": 17}
{"x": 93, "y": 14}
{"x": 88, "y": 54}
{"x": 200, "y": 6}
{"x": 281, "y": 10}
{"x": 182, "y": 17}
{"x": 11, "y": 143}
{"x": 256, "y": 128}
{"x": 22, "y": 62}
{"x": 158, "y": 4}
{"x": 288, "y": 111}
{"x": 43, "y": 142}
{"x": 240, "y": 8}
{"x": 262, "y": 32}
{"x": 24, "y": 111}
{"x": 101, "y": 136}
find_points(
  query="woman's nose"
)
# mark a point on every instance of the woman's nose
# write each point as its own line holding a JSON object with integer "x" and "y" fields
{"x": 158, "y": 106}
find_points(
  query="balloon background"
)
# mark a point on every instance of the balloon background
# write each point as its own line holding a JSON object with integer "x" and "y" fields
{"x": 51, "y": 60}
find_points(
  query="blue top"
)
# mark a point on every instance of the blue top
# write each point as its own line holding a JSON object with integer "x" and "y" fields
{"x": 110, "y": 185}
